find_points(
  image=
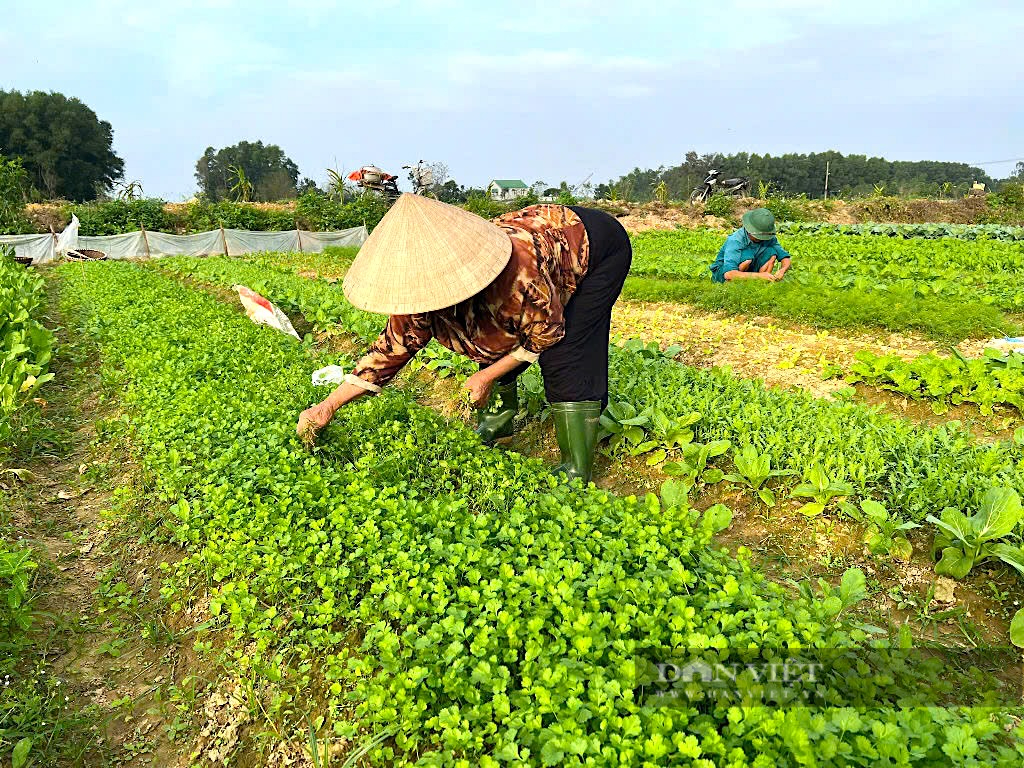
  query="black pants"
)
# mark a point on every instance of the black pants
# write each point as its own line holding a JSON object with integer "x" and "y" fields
{"x": 576, "y": 368}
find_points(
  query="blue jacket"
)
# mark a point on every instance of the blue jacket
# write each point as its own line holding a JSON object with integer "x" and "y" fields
{"x": 739, "y": 248}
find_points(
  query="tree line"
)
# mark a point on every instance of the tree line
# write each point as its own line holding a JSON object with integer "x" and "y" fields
{"x": 56, "y": 147}
{"x": 803, "y": 174}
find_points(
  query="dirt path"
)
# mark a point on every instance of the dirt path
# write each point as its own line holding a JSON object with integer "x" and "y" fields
{"x": 781, "y": 354}
{"x": 792, "y": 356}
{"x": 98, "y": 627}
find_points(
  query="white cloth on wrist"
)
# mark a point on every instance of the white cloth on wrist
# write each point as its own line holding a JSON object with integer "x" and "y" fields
{"x": 355, "y": 380}
{"x": 524, "y": 355}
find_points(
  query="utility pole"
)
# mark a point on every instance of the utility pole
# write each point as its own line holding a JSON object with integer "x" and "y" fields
{"x": 826, "y": 179}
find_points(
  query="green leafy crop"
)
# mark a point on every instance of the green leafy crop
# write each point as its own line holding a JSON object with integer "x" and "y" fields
{"x": 966, "y": 541}
{"x": 991, "y": 380}
{"x": 822, "y": 488}
{"x": 25, "y": 345}
{"x": 948, "y": 289}
{"x": 753, "y": 470}
{"x": 447, "y": 603}
{"x": 928, "y": 231}
{"x": 886, "y": 533}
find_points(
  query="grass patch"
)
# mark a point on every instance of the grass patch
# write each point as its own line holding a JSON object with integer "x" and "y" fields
{"x": 829, "y": 308}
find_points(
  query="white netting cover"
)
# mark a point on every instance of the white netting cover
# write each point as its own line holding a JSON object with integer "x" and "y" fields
{"x": 201, "y": 244}
{"x": 39, "y": 248}
{"x": 132, "y": 245}
{"x": 115, "y": 246}
{"x": 315, "y": 242}
{"x": 243, "y": 241}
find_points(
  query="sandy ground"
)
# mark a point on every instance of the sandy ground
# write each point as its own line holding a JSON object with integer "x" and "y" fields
{"x": 794, "y": 357}
{"x": 757, "y": 347}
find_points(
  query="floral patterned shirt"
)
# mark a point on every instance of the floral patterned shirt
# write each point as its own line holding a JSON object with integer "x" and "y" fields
{"x": 519, "y": 314}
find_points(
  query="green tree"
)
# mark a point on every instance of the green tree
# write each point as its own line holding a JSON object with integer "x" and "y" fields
{"x": 271, "y": 172}
{"x": 13, "y": 183}
{"x": 307, "y": 185}
{"x": 795, "y": 174}
{"x": 65, "y": 148}
{"x": 451, "y": 192}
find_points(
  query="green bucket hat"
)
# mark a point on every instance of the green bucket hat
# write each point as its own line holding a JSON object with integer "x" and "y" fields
{"x": 759, "y": 223}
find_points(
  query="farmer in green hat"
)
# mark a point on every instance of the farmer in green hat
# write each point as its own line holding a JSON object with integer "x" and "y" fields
{"x": 752, "y": 252}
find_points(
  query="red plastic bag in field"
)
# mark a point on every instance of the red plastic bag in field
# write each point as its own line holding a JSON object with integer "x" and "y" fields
{"x": 263, "y": 312}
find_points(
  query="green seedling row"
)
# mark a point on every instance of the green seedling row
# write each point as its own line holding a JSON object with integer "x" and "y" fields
{"x": 26, "y": 346}
{"x": 680, "y": 417}
{"x": 995, "y": 379}
{"x": 947, "y": 289}
{"x": 431, "y": 601}
{"x": 928, "y": 231}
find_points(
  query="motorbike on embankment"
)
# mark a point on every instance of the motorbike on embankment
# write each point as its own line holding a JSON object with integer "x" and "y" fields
{"x": 737, "y": 187}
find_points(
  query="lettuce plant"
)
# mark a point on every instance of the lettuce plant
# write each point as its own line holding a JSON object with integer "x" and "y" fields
{"x": 753, "y": 470}
{"x": 967, "y": 541}
{"x": 822, "y": 488}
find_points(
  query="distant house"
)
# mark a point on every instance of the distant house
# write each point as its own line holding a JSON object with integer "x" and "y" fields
{"x": 507, "y": 189}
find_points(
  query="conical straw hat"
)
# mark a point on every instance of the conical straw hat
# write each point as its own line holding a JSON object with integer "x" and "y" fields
{"x": 425, "y": 255}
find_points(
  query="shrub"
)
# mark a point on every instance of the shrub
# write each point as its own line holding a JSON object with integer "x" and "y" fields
{"x": 1006, "y": 206}
{"x": 203, "y": 216}
{"x": 116, "y": 216}
{"x": 13, "y": 180}
{"x": 1010, "y": 195}
{"x": 318, "y": 212}
{"x": 720, "y": 205}
{"x": 484, "y": 206}
{"x": 789, "y": 208}
{"x": 365, "y": 209}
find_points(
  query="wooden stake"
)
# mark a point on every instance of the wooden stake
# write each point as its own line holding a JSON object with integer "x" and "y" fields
{"x": 224, "y": 239}
{"x": 826, "y": 179}
{"x": 145, "y": 240}
{"x": 298, "y": 236}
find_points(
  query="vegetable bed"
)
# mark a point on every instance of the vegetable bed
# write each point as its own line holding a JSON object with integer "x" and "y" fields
{"x": 444, "y": 603}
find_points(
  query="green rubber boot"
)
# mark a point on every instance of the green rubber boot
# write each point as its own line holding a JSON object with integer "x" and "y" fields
{"x": 493, "y": 423}
{"x": 576, "y": 425}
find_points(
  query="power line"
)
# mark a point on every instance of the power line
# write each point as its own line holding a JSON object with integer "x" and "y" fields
{"x": 997, "y": 162}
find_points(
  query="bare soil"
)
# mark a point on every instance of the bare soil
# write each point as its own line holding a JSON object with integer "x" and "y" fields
{"x": 793, "y": 357}
{"x": 640, "y": 217}
{"x": 100, "y": 623}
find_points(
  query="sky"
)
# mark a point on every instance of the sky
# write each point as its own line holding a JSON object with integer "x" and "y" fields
{"x": 540, "y": 90}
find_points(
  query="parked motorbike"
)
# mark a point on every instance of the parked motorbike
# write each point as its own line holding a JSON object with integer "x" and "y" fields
{"x": 370, "y": 177}
{"x": 737, "y": 187}
{"x": 422, "y": 177}
{"x": 373, "y": 178}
